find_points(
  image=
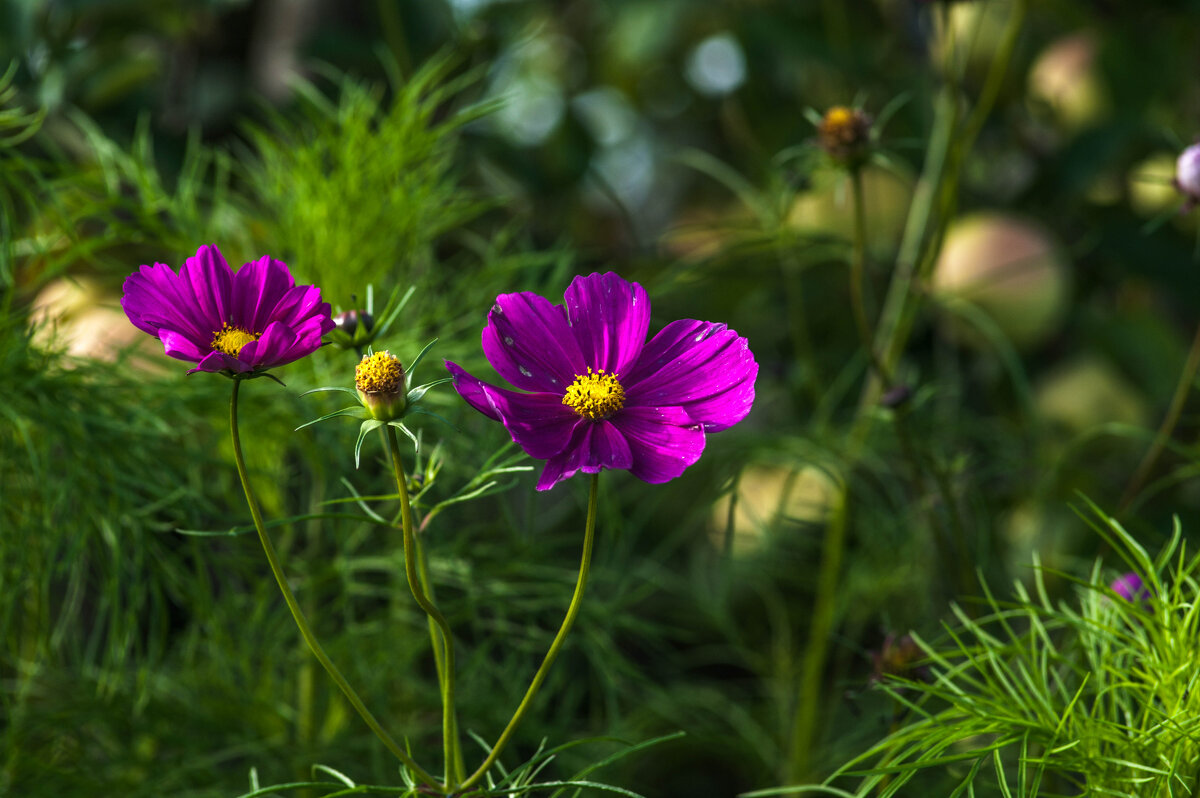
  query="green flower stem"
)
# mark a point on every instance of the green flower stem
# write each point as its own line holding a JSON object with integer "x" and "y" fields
{"x": 449, "y": 732}
{"x": 858, "y": 266}
{"x": 812, "y": 672}
{"x": 297, "y": 614}
{"x": 555, "y": 647}
{"x": 1184, "y": 386}
{"x": 439, "y": 651}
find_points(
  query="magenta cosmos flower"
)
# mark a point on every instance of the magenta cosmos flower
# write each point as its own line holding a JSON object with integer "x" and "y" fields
{"x": 599, "y": 396}
{"x": 250, "y": 321}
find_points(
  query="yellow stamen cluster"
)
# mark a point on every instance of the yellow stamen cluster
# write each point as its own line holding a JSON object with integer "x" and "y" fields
{"x": 595, "y": 395}
{"x": 379, "y": 373}
{"x": 230, "y": 340}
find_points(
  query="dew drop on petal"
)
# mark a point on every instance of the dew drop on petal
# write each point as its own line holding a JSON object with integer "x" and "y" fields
{"x": 508, "y": 340}
{"x": 497, "y": 309}
{"x": 700, "y": 337}
{"x": 525, "y": 371}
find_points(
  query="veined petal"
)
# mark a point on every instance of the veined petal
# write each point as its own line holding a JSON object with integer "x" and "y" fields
{"x": 154, "y": 297}
{"x": 609, "y": 317}
{"x": 258, "y": 288}
{"x": 606, "y": 448}
{"x": 272, "y": 348}
{"x": 181, "y": 347}
{"x": 705, "y": 368}
{"x": 529, "y": 343}
{"x": 567, "y": 463}
{"x": 538, "y": 422}
{"x": 663, "y": 441}
{"x": 299, "y": 303}
{"x": 210, "y": 281}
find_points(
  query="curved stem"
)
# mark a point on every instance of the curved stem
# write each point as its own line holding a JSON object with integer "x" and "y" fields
{"x": 555, "y": 647}
{"x": 297, "y": 614}
{"x": 449, "y": 733}
{"x": 1166, "y": 428}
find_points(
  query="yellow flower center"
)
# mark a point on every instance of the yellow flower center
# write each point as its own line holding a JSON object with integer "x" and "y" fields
{"x": 838, "y": 116}
{"x": 379, "y": 373}
{"x": 230, "y": 340}
{"x": 595, "y": 395}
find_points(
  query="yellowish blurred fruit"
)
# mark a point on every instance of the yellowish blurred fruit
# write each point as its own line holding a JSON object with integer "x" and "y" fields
{"x": 1066, "y": 80}
{"x": 829, "y": 207}
{"x": 1008, "y": 268}
{"x": 772, "y": 497}
{"x": 1088, "y": 392}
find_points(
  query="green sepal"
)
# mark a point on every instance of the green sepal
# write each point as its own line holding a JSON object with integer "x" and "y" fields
{"x": 345, "y": 411}
{"x": 400, "y": 426}
{"x": 416, "y": 394}
{"x": 421, "y": 356}
{"x": 245, "y": 375}
{"x": 327, "y": 388}
{"x": 368, "y": 426}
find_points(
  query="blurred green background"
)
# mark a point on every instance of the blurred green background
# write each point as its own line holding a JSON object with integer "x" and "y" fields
{"x": 470, "y": 148}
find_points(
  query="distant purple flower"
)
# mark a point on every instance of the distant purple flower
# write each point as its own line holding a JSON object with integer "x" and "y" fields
{"x": 600, "y": 396}
{"x": 1129, "y": 586}
{"x": 250, "y": 321}
{"x": 1187, "y": 175}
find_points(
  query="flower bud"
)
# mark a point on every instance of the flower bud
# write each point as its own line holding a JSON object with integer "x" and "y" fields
{"x": 358, "y": 324}
{"x": 1129, "y": 586}
{"x": 845, "y": 133}
{"x": 1187, "y": 173}
{"x": 381, "y": 385}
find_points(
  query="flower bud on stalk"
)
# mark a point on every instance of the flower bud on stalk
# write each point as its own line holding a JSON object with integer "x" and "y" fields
{"x": 845, "y": 134}
{"x": 379, "y": 378}
{"x": 348, "y": 321}
{"x": 1187, "y": 176}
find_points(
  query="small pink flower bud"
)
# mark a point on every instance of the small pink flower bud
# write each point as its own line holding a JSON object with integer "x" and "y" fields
{"x": 1187, "y": 172}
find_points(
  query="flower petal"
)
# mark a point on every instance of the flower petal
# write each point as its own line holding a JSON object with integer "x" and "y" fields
{"x": 566, "y": 464}
{"x": 592, "y": 448}
{"x": 663, "y": 441}
{"x": 529, "y": 343}
{"x": 607, "y": 448}
{"x": 300, "y": 303}
{"x": 705, "y": 368}
{"x": 210, "y": 281}
{"x": 275, "y": 347}
{"x": 539, "y": 422}
{"x": 154, "y": 297}
{"x": 181, "y": 347}
{"x": 258, "y": 288}
{"x": 609, "y": 317}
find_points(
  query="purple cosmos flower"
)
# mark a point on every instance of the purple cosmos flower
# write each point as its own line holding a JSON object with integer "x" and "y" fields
{"x": 600, "y": 396}
{"x": 250, "y": 321}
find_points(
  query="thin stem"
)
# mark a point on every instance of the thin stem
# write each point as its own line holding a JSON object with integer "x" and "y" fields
{"x": 858, "y": 266}
{"x": 449, "y": 733}
{"x": 439, "y": 647}
{"x": 555, "y": 647}
{"x": 813, "y": 667}
{"x": 1174, "y": 410}
{"x": 298, "y": 615}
